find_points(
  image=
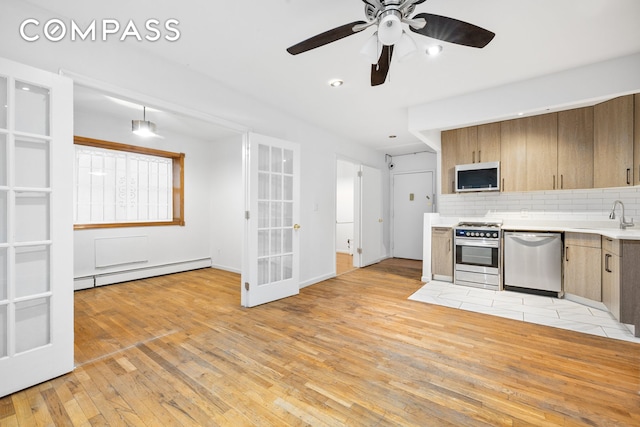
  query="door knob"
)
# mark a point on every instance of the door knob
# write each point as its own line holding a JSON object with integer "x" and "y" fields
{"x": 296, "y": 226}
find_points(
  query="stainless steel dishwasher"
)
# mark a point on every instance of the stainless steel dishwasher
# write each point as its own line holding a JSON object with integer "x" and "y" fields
{"x": 533, "y": 261}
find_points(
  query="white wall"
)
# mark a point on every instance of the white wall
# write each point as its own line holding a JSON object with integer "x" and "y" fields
{"x": 226, "y": 200}
{"x": 558, "y": 91}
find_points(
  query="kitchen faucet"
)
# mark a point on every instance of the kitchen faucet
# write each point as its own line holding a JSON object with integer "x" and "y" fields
{"x": 623, "y": 222}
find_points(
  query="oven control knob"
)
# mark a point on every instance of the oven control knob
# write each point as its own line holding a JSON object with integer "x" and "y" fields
{"x": 477, "y": 234}
{"x": 495, "y": 235}
{"x": 482, "y": 234}
{"x": 468, "y": 234}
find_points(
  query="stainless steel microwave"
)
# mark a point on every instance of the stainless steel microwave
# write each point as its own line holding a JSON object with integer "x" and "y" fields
{"x": 478, "y": 177}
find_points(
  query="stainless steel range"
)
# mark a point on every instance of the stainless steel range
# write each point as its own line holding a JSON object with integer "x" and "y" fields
{"x": 477, "y": 254}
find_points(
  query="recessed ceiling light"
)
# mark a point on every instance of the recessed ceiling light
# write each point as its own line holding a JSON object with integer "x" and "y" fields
{"x": 27, "y": 88}
{"x": 434, "y": 50}
{"x": 393, "y": 136}
{"x": 336, "y": 83}
{"x": 521, "y": 114}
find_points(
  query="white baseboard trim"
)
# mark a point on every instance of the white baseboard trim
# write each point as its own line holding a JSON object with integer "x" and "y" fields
{"x": 316, "y": 280}
{"x": 225, "y": 268}
{"x": 139, "y": 273}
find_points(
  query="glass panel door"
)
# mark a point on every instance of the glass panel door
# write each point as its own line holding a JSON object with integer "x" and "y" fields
{"x": 271, "y": 270}
{"x": 36, "y": 300}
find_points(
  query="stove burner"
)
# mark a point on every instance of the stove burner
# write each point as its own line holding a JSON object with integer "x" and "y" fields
{"x": 479, "y": 224}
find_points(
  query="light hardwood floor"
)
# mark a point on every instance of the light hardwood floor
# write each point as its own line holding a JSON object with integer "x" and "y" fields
{"x": 344, "y": 263}
{"x": 179, "y": 350}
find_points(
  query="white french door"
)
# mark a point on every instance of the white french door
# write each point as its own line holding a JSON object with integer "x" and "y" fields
{"x": 270, "y": 268}
{"x": 36, "y": 226}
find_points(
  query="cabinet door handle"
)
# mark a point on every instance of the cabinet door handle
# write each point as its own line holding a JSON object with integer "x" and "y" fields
{"x": 566, "y": 253}
{"x": 606, "y": 263}
{"x": 502, "y": 184}
{"x": 473, "y": 157}
{"x": 628, "y": 176}
{"x": 554, "y": 182}
{"x": 479, "y": 156}
{"x": 561, "y": 182}
{"x": 449, "y": 245}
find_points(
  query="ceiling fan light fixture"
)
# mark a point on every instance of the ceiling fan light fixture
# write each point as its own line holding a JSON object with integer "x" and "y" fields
{"x": 144, "y": 127}
{"x": 405, "y": 47}
{"x": 371, "y": 49}
{"x": 390, "y": 27}
{"x": 336, "y": 83}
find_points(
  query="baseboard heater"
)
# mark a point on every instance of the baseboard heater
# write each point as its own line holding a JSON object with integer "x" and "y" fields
{"x": 102, "y": 279}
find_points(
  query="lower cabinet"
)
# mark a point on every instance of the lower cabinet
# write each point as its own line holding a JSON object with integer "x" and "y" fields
{"x": 442, "y": 253}
{"x": 629, "y": 290}
{"x": 582, "y": 266}
{"x": 611, "y": 275}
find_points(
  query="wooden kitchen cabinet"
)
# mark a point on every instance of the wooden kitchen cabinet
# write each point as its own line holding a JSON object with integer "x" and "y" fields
{"x": 442, "y": 253}
{"x": 457, "y": 149}
{"x": 488, "y": 147}
{"x": 473, "y": 144}
{"x": 629, "y": 289}
{"x": 513, "y": 155}
{"x": 613, "y": 142}
{"x": 582, "y": 265}
{"x": 542, "y": 152}
{"x": 636, "y": 140}
{"x": 611, "y": 275}
{"x": 575, "y": 148}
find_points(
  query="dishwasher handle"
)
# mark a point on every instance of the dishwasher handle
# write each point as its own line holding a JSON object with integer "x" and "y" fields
{"x": 532, "y": 239}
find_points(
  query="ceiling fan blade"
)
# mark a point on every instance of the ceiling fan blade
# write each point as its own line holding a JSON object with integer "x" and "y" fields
{"x": 453, "y": 31}
{"x": 380, "y": 70}
{"x": 325, "y": 38}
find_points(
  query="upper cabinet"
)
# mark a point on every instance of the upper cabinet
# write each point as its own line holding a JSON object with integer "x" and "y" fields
{"x": 542, "y": 152}
{"x": 488, "y": 143}
{"x": 590, "y": 147}
{"x": 513, "y": 155}
{"x": 613, "y": 142}
{"x": 529, "y": 153}
{"x": 473, "y": 144}
{"x": 575, "y": 148}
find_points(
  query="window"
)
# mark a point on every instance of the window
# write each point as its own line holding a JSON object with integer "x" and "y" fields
{"x": 119, "y": 185}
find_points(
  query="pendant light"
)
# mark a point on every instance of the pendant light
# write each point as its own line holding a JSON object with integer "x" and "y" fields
{"x": 143, "y": 127}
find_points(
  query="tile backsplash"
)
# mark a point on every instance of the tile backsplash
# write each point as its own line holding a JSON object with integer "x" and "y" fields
{"x": 592, "y": 204}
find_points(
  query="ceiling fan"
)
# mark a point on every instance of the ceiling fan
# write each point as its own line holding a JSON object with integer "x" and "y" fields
{"x": 389, "y": 15}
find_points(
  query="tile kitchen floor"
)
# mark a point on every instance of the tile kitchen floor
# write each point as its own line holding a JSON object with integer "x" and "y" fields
{"x": 555, "y": 312}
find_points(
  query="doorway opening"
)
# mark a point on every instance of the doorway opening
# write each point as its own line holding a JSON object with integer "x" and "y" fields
{"x": 345, "y": 215}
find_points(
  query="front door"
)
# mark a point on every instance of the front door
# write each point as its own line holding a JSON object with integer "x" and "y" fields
{"x": 270, "y": 268}
{"x": 36, "y": 226}
{"x": 412, "y": 198}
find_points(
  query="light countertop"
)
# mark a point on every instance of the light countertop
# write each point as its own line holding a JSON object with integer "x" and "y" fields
{"x": 607, "y": 228}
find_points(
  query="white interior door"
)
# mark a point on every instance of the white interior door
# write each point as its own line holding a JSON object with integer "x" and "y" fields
{"x": 370, "y": 216}
{"x": 270, "y": 269}
{"x": 36, "y": 226}
{"x": 412, "y": 198}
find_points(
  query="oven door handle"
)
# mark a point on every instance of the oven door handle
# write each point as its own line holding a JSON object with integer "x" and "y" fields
{"x": 476, "y": 243}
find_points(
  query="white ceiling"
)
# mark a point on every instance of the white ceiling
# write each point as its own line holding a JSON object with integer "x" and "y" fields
{"x": 242, "y": 44}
